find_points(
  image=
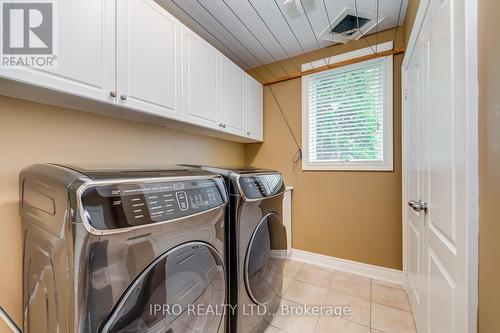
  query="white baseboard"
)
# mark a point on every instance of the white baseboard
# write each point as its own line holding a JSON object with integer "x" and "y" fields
{"x": 375, "y": 272}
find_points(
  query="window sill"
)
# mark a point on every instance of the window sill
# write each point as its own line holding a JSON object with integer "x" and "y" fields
{"x": 347, "y": 167}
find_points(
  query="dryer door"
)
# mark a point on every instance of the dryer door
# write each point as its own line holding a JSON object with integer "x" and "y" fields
{"x": 184, "y": 290}
{"x": 265, "y": 259}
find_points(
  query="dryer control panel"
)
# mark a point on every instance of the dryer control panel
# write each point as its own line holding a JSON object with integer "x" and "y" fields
{"x": 261, "y": 186}
{"x": 128, "y": 204}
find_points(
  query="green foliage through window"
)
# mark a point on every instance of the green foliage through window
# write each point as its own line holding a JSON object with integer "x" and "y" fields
{"x": 346, "y": 114}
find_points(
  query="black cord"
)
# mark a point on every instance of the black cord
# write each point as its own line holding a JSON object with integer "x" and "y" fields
{"x": 359, "y": 30}
{"x": 304, "y": 53}
{"x": 275, "y": 38}
{"x": 298, "y": 155}
{"x": 312, "y": 28}
{"x": 376, "y": 34}
{"x": 255, "y": 37}
{"x": 217, "y": 39}
{"x": 397, "y": 24}
{"x": 296, "y": 158}
{"x": 331, "y": 30}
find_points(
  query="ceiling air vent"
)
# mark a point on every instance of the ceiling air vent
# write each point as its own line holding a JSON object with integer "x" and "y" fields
{"x": 345, "y": 26}
{"x": 349, "y": 25}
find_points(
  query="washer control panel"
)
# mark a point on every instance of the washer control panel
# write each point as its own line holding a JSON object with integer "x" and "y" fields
{"x": 129, "y": 204}
{"x": 261, "y": 186}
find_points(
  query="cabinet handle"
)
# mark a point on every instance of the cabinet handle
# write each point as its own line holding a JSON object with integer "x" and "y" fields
{"x": 112, "y": 93}
{"x": 123, "y": 97}
{"x": 221, "y": 125}
{"x": 248, "y": 133}
{"x": 224, "y": 125}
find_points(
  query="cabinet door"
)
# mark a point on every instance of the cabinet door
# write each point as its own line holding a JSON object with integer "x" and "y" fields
{"x": 255, "y": 105}
{"x": 148, "y": 58}
{"x": 201, "y": 81}
{"x": 233, "y": 97}
{"x": 85, "y": 39}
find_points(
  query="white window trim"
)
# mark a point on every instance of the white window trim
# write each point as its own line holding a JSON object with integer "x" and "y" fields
{"x": 387, "y": 164}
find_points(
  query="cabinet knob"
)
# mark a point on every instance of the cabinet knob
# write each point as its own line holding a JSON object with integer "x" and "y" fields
{"x": 221, "y": 125}
{"x": 123, "y": 97}
{"x": 224, "y": 125}
{"x": 248, "y": 133}
{"x": 112, "y": 94}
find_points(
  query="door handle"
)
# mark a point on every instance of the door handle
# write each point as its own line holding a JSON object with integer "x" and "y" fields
{"x": 418, "y": 206}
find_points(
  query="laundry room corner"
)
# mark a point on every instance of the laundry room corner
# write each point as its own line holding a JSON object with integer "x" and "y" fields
{"x": 338, "y": 214}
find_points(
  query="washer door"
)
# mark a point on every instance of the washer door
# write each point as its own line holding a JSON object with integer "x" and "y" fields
{"x": 181, "y": 291}
{"x": 264, "y": 260}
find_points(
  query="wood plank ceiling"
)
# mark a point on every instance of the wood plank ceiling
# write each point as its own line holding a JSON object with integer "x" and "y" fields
{"x": 256, "y": 32}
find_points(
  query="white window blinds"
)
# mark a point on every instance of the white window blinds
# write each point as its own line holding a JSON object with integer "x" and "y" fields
{"x": 346, "y": 114}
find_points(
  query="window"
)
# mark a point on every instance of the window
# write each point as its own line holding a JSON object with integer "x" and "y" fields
{"x": 347, "y": 117}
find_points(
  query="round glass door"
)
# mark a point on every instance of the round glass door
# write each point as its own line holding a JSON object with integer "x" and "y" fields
{"x": 181, "y": 291}
{"x": 264, "y": 260}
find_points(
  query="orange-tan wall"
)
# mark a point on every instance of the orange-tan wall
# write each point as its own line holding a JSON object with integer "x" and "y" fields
{"x": 489, "y": 167}
{"x": 33, "y": 133}
{"x": 350, "y": 215}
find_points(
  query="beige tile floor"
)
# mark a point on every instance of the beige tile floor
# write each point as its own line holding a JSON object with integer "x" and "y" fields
{"x": 375, "y": 306}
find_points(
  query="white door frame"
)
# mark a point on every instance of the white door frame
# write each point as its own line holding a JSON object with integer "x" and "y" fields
{"x": 472, "y": 150}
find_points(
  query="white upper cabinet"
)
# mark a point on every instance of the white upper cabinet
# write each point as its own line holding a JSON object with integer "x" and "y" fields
{"x": 254, "y": 109}
{"x": 148, "y": 58}
{"x": 201, "y": 81}
{"x": 85, "y": 51}
{"x": 139, "y": 62}
{"x": 233, "y": 98}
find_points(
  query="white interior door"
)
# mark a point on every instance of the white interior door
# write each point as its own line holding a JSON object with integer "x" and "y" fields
{"x": 148, "y": 58}
{"x": 437, "y": 170}
{"x": 415, "y": 170}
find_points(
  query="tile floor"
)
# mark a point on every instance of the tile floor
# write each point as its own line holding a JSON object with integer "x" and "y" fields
{"x": 375, "y": 306}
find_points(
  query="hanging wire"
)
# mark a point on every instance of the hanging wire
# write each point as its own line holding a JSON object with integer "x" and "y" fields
{"x": 274, "y": 36}
{"x": 218, "y": 40}
{"x": 312, "y": 29}
{"x": 359, "y": 30}
{"x": 250, "y": 31}
{"x": 222, "y": 25}
{"x": 331, "y": 29}
{"x": 246, "y": 27}
{"x": 298, "y": 155}
{"x": 376, "y": 34}
{"x": 397, "y": 24}
{"x": 294, "y": 35}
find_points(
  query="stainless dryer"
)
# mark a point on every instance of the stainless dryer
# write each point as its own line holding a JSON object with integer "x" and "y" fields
{"x": 122, "y": 250}
{"x": 257, "y": 249}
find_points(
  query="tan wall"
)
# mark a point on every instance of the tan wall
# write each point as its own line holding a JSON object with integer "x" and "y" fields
{"x": 33, "y": 133}
{"x": 351, "y": 215}
{"x": 489, "y": 168}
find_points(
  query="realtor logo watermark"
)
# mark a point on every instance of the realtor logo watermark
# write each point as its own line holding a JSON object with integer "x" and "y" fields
{"x": 28, "y": 34}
